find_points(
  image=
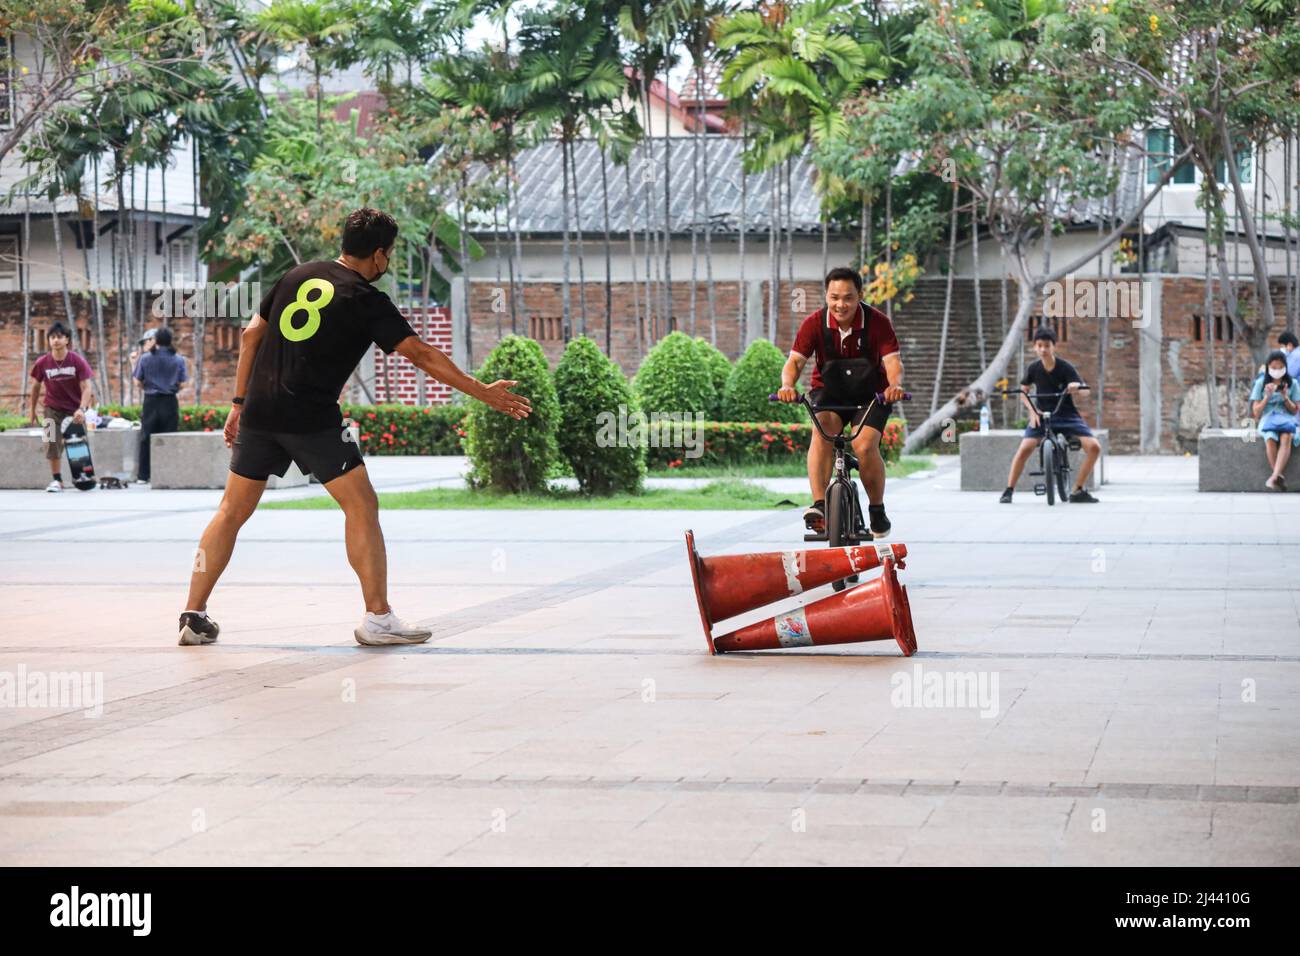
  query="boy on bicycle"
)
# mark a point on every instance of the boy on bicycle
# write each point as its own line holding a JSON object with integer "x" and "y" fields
{"x": 857, "y": 356}
{"x": 1053, "y": 375}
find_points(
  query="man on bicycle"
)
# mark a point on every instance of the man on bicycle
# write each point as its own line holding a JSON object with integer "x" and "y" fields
{"x": 1053, "y": 375}
{"x": 857, "y": 356}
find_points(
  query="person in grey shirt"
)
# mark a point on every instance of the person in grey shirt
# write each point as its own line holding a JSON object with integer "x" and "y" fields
{"x": 162, "y": 372}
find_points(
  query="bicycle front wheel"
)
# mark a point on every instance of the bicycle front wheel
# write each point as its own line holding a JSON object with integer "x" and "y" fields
{"x": 1063, "y": 471}
{"x": 1049, "y": 470}
{"x": 838, "y": 516}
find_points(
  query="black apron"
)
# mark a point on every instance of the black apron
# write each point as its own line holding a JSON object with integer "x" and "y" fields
{"x": 848, "y": 381}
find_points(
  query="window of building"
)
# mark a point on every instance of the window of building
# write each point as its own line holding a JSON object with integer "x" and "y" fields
{"x": 10, "y": 277}
{"x": 6, "y": 83}
{"x": 1223, "y": 329}
{"x": 180, "y": 262}
{"x": 546, "y": 328}
{"x": 1059, "y": 324}
{"x": 1162, "y": 142}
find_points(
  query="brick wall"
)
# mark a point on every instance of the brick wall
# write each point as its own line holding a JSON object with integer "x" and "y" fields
{"x": 397, "y": 380}
{"x": 220, "y": 354}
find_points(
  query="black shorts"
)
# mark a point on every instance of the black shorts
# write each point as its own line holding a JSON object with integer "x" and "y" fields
{"x": 326, "y": 454}
{"x": 876, "y": 416}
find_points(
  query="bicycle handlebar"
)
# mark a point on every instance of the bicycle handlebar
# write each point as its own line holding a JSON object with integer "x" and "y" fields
{"x": 852, "y": 409}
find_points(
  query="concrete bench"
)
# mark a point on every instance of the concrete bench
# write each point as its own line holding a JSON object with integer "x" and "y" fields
{"x": 200, "y": 460}
{"x": 23, "y": 464}
{"x": 986, "y": 459}
{"x": 1234, "y": 459}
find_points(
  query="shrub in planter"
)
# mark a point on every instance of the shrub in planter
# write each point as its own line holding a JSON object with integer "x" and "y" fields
{"x": 510, "y": 454}
{"x": 756, "y": 375}
{"x": 719, "y": 371}
{"x": 593, "y": 392}
{"x": 672, "y": 378}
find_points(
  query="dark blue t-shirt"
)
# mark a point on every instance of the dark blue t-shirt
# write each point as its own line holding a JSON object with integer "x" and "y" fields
{"x": 161, "y": 370}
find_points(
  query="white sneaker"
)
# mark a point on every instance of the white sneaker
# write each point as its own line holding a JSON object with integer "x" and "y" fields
{"x": 54, "y": 485}
{"x": 379, "y": 629}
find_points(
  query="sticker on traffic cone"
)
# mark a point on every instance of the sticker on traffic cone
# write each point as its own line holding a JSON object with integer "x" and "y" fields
{"x": 875, "y": 611}
{"x": 732, "y": 584}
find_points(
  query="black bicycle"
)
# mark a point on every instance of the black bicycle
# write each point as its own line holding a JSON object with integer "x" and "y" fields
{"x": 1053, "y": 449}
{"x": 844, "y": 525}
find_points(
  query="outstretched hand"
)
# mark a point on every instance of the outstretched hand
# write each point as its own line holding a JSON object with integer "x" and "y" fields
{"x": 499, "y": 396}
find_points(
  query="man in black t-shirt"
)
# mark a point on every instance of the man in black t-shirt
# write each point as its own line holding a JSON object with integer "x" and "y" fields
{"x": 295, "y": 357}
{"x": 1053, "y": 375}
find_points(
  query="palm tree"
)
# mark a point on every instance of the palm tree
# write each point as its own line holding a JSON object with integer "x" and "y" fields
{"x": 323, "y": 29}
{"x": 570, "y": 62}
{"x": 797, "y": 63}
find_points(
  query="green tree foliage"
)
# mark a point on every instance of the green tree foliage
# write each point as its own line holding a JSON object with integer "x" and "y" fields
{"x": 593, "y": 395}
{"x": 508, "y": 454}
{"x": 673, "y": 378}
{"x": 757, "y": 374}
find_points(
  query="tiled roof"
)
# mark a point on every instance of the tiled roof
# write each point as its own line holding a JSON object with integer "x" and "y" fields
{"x": 541, "y": 182}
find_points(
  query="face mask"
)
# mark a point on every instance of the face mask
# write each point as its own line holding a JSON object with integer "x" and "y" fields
{"x": 1276, "y": 372}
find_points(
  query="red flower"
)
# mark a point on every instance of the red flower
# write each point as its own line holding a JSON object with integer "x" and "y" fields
{"x": 370, "y": 414}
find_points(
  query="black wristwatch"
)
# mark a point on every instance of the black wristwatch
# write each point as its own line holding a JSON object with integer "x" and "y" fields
{"x": 236, "y": 401}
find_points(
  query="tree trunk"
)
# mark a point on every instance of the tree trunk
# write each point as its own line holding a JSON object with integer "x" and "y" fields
{"x": 947, "y": 302}
{"x": 496, "y": 255}
{"x": 1207, "y": 327}
{"x": 789, "y": 243}
{"x": 708, "y": 250}
{"x": 774, "y": 273}
{"x": 464, "y": 267}
{"x": 975, "y": 268}
{"x": 609, "y": 278}
{"x": 63, "y": 276}
{"x": 743, "y": 291}
{"x": 200, "y": 325}
{"x": 519, "y": 254}
{"x": 1263, "y": 294}
{"x": 25, "y": 266}
{"x": 668, "y": 212}
{"x": 695, "y": 205}
{"x": 577, "y": 229}
{"x": 564, "y": 254}
{"x": 631, "y": 254}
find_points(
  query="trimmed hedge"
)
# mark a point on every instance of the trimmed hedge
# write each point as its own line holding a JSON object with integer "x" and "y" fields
{"x": 746, "y": 443}
{"x": 505, "y": 453}
{"x": 673, "y": 378}
{"x": 757, "y": 375}
{"x": 719, "y": 367}
{"x": 384, "y": 429}
{"x": 593, "y": 392}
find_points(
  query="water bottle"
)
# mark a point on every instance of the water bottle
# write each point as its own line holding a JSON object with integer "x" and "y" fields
{"x": 984, "y": 419}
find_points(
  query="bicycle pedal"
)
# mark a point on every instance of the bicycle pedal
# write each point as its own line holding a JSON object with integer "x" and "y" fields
{"x": 815, "y": 537}
{"x": 1040, "y": 489}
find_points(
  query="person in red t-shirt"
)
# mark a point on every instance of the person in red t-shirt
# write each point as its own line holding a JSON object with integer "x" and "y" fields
{"x": 847, "y": 334}
{"x": 66, "y": 378}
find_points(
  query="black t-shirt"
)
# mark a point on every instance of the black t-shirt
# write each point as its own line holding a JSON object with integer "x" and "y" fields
{"x": 321, "y": 317}
{"x": 1045, "y": 382}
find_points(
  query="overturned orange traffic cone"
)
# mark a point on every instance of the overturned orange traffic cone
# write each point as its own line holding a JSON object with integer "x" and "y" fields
{"x": 874, "y": 611}
{"x": 732, "y": 584}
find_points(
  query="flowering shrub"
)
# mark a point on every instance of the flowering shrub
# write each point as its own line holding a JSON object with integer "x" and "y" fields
{"x": 384, "y": 429}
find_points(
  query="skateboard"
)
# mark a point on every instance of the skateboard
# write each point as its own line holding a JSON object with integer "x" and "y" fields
{"x": 77, "y": 447}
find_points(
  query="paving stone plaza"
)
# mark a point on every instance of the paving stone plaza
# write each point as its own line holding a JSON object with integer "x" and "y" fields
{"x": 1136, "y": 667}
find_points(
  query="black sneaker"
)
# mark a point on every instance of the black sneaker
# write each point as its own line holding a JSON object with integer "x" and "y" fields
{"x": 814, "y": 518}
{"x": 1006, "y": 497}
{"x": 198, "y": 629}
{"x": 1081, "y": 497}
{"x": 879, "y": 523}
